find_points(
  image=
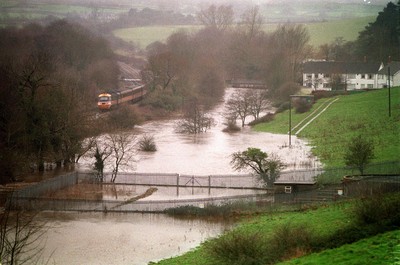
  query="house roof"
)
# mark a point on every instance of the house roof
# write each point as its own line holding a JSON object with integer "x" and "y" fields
{"x": 394, "y": 68}
{"x": 341, "y": 67}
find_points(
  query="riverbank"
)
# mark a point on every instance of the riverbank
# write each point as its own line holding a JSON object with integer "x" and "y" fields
{"x": 326, "y": 228}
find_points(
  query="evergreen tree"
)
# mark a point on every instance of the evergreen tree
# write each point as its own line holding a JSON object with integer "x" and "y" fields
{"x": 381, "y": 39}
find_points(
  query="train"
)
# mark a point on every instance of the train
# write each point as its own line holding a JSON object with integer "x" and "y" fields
{"x": 131, "y": 93}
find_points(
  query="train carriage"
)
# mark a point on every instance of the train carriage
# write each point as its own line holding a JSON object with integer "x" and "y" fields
{"x": 107, "y": 101}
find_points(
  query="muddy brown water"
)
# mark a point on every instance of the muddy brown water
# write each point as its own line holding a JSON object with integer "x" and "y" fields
{"x": 119, "y": 239}
{"x": 95, "y": 238}
{"x": 208, "y": 153}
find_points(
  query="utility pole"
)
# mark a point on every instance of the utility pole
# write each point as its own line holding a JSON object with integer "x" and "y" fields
{"x": 390, "y": 109}
{"x": 290, "y": 121}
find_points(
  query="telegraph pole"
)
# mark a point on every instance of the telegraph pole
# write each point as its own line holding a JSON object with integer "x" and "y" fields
{"x": 390, "y": 109}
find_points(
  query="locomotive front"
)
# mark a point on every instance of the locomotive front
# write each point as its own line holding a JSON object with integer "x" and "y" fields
{"x": 104, "y": 102}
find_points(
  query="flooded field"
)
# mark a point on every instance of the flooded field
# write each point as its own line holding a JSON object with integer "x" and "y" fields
{"x": 121, "y": 239}
{"x": 210, "y": 152}
{"x": 117, "y": 238}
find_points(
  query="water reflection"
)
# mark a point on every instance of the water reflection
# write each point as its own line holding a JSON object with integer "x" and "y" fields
{"x": 96, "y": 238}
{"x": 209, "y": 153}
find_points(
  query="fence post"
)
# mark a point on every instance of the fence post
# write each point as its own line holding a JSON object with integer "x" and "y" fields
{"x": 177, "y": 180}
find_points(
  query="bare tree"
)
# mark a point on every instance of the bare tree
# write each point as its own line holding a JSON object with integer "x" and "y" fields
{"x": 238, "y": 105}
{"x": 258, "y": 102}
{"x": 122, "y": 147}
{"x": 251, "y": 23}
{"x": 290, "y": 42}
{"x": 195, "y": 119}
{"x": 220, "y": 17}
{"x": 21, "y": 237}
{"x": 100, "y": 154}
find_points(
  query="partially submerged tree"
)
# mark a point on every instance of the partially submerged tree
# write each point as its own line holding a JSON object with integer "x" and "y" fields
{"x": 195, "y": 119}
{"x": 246, "y": 102}
{"x": 359, "y": 153}
{"x": 266, "y": 167}
{"x": 100, "y": 154}
{"x": 122, "y": 146}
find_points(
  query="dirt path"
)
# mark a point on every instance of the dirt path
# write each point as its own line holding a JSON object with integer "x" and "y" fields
{"x": 317, "y": 112}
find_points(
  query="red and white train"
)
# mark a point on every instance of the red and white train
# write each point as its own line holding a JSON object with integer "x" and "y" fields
{"x": 133, "y": 93}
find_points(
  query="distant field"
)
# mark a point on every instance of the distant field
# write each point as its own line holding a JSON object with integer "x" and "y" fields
{"x": 143, "y": 36}
{"x": 320, "y": 32}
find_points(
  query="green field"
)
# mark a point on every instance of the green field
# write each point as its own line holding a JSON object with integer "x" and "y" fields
{"x": 320, "y": 32}
{"x": 326, "y": 221}
{"x": 362, "y": 113}
{"x": 377, "y": 250}
{"x": 143, "y": 36}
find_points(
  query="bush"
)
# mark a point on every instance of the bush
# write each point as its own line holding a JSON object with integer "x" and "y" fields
{"x": 301, "y": 105}
{"x": 289, "y": 241}
{"x": 147, "y": 144}
{"x": 382, "y": 210}
{"x": 266, "y": 118}
{"x": 283, "y": 106}
{"x": 238, "y": 249}
{"x": 161, "y": 99}
{"x": 124, "y": 117}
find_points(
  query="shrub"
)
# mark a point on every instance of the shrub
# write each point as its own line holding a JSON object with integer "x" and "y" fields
{"x": 289, "y": 241}
{"x": 282, "y": 107}
{"x": 301, "y": 105}
{"x": 161, "y": 99}
{"x": 147, "y": 144}
{"x": 266, "y": 118}
{"x": 124, "y": 117}
{"x": 238, "y": 249}
{"x": 382, "y": 210}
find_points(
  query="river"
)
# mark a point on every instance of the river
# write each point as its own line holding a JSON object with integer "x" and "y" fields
{"x": 208, "y": 153}
{"x": 94, "y": 238}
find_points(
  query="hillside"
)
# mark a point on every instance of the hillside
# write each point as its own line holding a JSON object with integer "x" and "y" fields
{"x": 320, "y": 235}
{"x": 361, "y": 113}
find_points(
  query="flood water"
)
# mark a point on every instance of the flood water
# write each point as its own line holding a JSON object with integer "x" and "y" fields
{"x": 119, "y": 239}
{"x": 208, "y": 153}
{"x": 95, "y": 238}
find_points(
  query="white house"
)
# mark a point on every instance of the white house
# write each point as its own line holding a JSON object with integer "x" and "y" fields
{"x": 394, "y": 69}
{"x": 323, "y": 75}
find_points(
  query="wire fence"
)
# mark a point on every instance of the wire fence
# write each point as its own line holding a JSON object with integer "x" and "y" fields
{"x": 247, "y": 181}
{"x": 41, "y": 196}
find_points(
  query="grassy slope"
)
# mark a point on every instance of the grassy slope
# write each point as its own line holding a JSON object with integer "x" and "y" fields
{"x": 324, "y": 220}
{"x": 362, "y": 113}
{"x": 377, "y": 250}
{"x": 380, "y": 249}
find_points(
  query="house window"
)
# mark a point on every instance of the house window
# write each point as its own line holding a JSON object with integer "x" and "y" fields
{"x": 309, "y": 77}
{"x": 370, "y": 86}
{"x": 327, "y": 75}
{"x": 288, "y": 189}
{"x": 351, "y": 76}
{"x": 369, "y": 76}
{"x": 363, "y": 76}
